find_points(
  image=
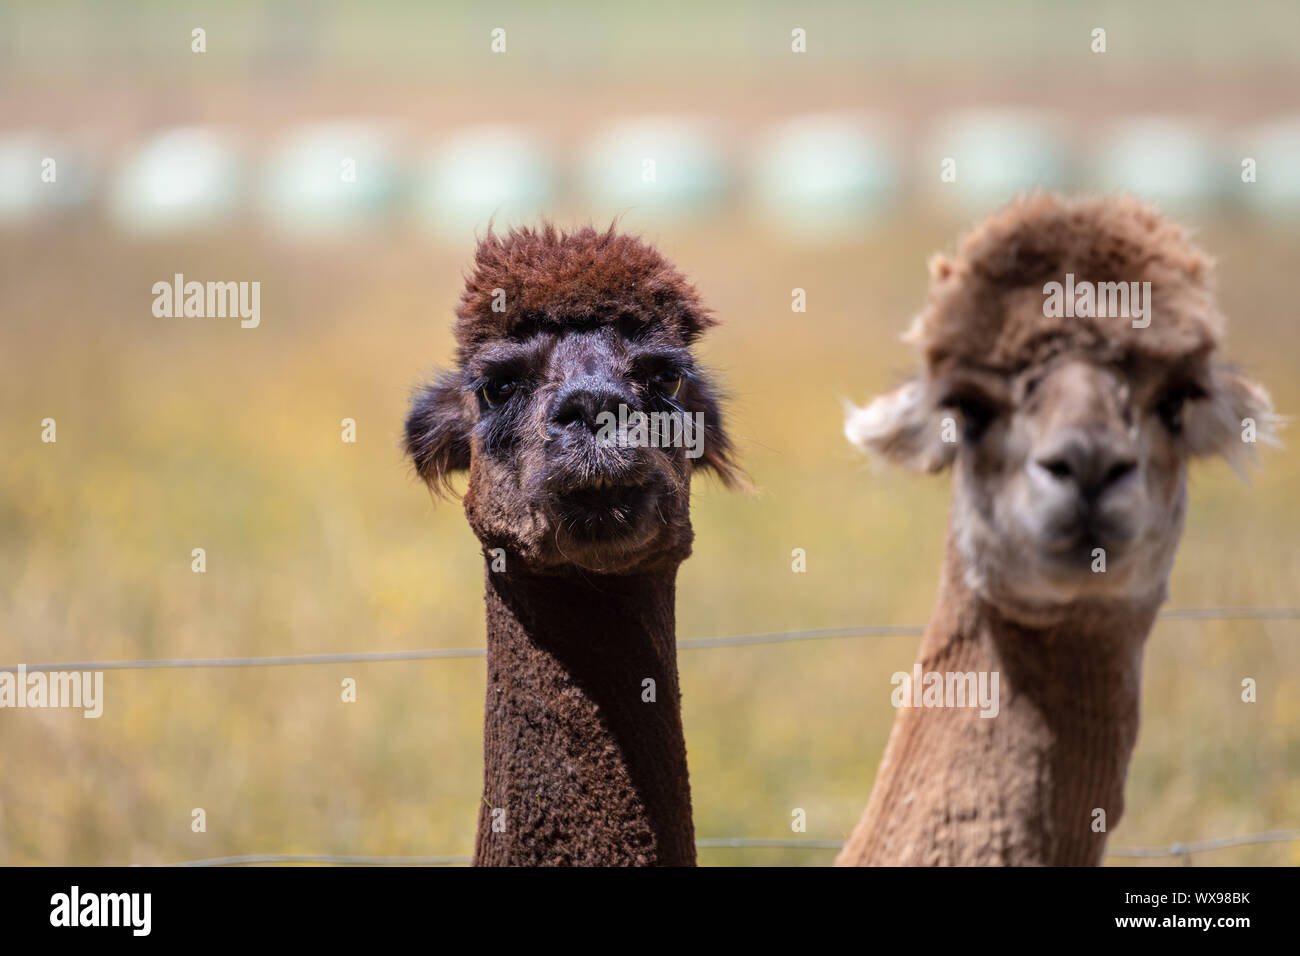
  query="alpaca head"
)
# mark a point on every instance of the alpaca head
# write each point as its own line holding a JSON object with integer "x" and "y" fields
{"x": 562, "y": 340}
{"x": 1068, "y": 405}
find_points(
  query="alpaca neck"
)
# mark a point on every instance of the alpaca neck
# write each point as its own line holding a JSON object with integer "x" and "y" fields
{"x": 1022, "y": 787}
{"x": 585, "y": 768}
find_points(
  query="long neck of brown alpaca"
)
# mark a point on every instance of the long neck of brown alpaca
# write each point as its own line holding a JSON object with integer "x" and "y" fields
{"x": 584, "y": 761}
{"x": 1023, "y": 787}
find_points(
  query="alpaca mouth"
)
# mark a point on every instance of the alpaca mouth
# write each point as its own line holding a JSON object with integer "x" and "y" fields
{"x": 603, "y": 483}
{"x": 1095, "y": 555}
{"x": 1076, "y": 552}
{"x": 1081, "y": 535}
{"x": 604, "y": 508}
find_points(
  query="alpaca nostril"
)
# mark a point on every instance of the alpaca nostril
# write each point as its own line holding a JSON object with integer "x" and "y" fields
{"x": 1090, "y": 472}
{"x": 584, "y": 406}
{"x": 569, "y": 411}
{"x": 1058, "y": 468}
{"x": 1118, "y": 471}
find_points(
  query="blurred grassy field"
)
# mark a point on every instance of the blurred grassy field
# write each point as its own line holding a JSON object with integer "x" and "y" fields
{"x": 176, "y": 434}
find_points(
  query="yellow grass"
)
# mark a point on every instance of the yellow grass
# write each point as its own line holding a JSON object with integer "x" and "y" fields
{"x": 185, "y": 433}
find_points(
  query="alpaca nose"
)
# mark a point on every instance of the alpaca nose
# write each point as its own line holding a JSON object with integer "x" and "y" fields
{"x": 1091, "y": 464}
{"x": 583, "y": 402}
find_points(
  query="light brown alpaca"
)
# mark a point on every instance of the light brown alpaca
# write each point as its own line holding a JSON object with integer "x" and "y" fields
{"x": 1069, "y": 439}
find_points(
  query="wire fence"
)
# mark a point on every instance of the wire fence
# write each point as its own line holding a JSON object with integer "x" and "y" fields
{"x": 1205, "y": 846}
{"x": 1184, "y": 850}
{"x": 736, "y": 640}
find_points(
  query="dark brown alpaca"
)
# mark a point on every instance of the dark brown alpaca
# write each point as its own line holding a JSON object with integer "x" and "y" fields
{"x": 582, "y": 537}
{"x": 1069, "y": 437}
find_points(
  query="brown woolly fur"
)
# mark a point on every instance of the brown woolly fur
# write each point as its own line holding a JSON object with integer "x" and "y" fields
{"x": 555, "y": 279}
{"x": 583, "y": 533}
{"x": 985, "y": 306}
{"x": 534, "y": 284}
{"x": 1069, "y": 438}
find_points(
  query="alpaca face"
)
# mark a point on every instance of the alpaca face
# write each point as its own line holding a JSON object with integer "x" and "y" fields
{"x": 548, "y": 481}
{"x": 1070, "y": 478}
{"x": 1071, "y": 482}
{"x": 545, "y": 407}
{"x": 1069, "y": 438}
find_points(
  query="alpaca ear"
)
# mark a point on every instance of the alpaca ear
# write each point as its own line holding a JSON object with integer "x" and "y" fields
{"x": 716, "y": 451}
{"x": 437, "y": 432}
{"x": 1234, "y": 414}
{"x": 902, "y": 426}
{"x": 940, "y": 268}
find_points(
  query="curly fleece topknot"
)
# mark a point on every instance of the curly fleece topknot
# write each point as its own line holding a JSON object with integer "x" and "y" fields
{"x": 551, "y": 277}
{"x": 985, "y": 306}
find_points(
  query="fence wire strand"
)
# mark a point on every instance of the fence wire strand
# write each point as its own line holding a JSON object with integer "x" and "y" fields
{"x": 694, "y": 644}
{"x": 1184, "y": 850}
{"x": 729, "y": 843}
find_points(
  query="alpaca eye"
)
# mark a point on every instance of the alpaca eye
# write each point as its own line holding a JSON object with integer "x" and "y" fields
{"x": 1170, "y": 409}
{"x": 494, "y": 393}
{"x": 976, "y": 413}
{"x": 668, "y": 383}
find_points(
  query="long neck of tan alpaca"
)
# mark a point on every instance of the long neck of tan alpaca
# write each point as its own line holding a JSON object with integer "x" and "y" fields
{"x": 1023, "y": 787}
{"x": 584, "y": 767}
